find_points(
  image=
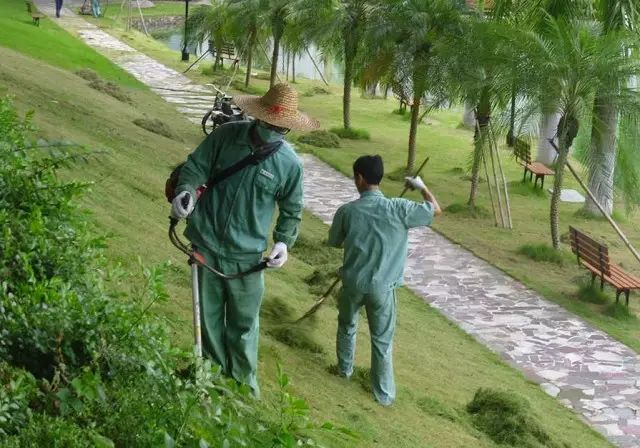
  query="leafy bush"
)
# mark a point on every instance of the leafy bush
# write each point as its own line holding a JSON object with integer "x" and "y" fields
{"x": 351, "y": 133}
{"x": 321, "y": 139}
{"x": 104, "y": 372}
{"x": 110, "y": 89}
{"x": 156, "y": 126}
{"x": 542, "y": 253}
{"x": 507, "y": 419}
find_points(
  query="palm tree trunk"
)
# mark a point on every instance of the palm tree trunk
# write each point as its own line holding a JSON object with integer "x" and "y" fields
{"x": 293, "y": 68}
{"x": 288, "y": 64}
{"x": 567, "y": 131}
{"x": 548, "y": 129}
{"x": 274, "y": 58}
{"x": 252, "y": 41}
{"x": 512, "y": 119}
{"x": 603, "y": 156}
{"x": 479, "y": 139}
{"x": 413, "y": 132}
{"x": 346, "y": 95}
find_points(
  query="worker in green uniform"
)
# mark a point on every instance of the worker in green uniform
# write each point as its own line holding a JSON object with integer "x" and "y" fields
{"x": 374, "y": 233}
{"x": 229, "y": 224}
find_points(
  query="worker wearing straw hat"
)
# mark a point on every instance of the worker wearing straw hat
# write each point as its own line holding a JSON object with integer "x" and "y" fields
{"x": 230, "y": 224}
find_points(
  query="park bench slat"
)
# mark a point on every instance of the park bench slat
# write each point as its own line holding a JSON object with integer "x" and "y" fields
{"x": 594, "y": 256}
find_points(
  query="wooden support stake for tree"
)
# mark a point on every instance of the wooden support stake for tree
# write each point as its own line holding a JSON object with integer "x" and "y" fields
{"x": 266, "y": 55}
{"x": 316, "y": 66}
{"x": 504, "y": 179}
{"x": 486, "y": 175}
{"x": 602, "y": 210}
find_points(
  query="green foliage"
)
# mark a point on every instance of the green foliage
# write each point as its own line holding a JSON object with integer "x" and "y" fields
{"x": 542, "y": 253}
{"x": 351, "y": 133}
{"x": 157, "y": 127}
{"x": 526, "y": 189}
{"x": 507, "y": 419}
{"x": 592, "y": 294}
{"x": 362, "y": 376}
{"x": 251, "y": 90}
{"x": 619, "y": 311}
{"x": 86, "y": 368}
{"x": 110, "y": 89}
{"x": 321, "y": 139}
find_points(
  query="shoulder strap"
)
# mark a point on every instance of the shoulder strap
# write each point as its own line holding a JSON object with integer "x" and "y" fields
{"x": 254, "y": 158}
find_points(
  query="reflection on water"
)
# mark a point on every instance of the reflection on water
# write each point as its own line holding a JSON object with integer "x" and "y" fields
{"x": 304, "y": 66}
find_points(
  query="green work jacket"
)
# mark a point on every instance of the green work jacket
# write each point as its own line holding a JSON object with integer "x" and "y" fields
{"x": 374, "y": 232}
{"x": 233, "y": 218}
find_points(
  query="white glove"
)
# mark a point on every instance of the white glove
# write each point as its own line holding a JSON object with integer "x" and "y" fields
{"x": 182, "y": 205}
{"x": 415, "y": 183}
{"x": 278, "y": 256}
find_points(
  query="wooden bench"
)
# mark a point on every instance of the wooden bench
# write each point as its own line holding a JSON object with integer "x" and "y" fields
{"x": 35, "y": 14}
{"x": 595, "y": 257}
{"x": 522, "y": 153}
{"x": 227, "y": 51}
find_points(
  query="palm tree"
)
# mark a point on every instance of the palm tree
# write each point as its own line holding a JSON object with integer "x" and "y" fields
{"x": 485, "y": 69}
{"x": 277, "y": 12}
{"x": 207, "y": 23}
{"x": 338, "y": 27}
{"x": 576, "y": 63}
{"x": 614, "y": 15}
{"x": 406, "y": 48}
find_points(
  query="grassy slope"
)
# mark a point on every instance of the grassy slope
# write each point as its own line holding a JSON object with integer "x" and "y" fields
{"x": 434, "y": 359}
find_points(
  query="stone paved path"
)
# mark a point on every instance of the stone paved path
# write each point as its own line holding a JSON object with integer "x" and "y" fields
{"x": 584, "y": 368}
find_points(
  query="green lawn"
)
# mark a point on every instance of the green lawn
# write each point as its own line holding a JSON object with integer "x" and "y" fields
{"x": 438, "y": 367}
{"x": 51, "y": 44}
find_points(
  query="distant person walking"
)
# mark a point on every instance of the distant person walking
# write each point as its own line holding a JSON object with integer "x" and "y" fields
{"x": 58, "y": 8}
{"x": 95, "y": 8}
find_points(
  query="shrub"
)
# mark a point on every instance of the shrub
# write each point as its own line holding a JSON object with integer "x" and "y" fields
{"x": 351, "y": 133}
{"x": 110, "y": 89}
{"x": 104, "y": 369}
{"x": 619, "y": 311}
{"x": 542, "y": 253}
{"x": 321, "y": 139}
{"x": 507, "y": 419}
{"x": 157, "y": 127}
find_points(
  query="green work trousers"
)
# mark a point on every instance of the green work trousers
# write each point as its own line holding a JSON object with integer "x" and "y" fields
{"x": 381, "y": 314}
{"x": 229, "y": 316}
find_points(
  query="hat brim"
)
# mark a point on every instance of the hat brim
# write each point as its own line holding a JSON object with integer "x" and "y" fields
{"x": 253, "y": 106}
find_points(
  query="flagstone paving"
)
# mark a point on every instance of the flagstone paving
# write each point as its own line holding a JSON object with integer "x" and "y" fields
{"x": 587, "y": 370}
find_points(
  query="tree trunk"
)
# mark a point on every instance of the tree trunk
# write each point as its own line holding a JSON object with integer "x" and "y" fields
{"x": 274, "y": 58}
{"x": 479, "y": 138}
{"x": 293, "y": 68}
{"x": 346, "y": 96}
{"x": 512, "y": 119}
{"x": 567, "y": 131}
{"x": 603, "y": 156}
{"x": 413, "y": 132}
{"x": 252, "y": 41}
{"x": 288, "y": 63}
{"x": 548, "y": 129}
{"x": 469, "y": 115}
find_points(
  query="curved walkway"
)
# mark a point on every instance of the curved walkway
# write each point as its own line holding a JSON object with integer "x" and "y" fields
{"x": 584, "y": 368}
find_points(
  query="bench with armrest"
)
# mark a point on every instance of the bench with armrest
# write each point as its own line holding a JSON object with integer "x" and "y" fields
{"x": 227, "y": 51}
{"x": 522, "y": 153}
{"x": 34, "y": 13}
{"x": 594, "y": 257}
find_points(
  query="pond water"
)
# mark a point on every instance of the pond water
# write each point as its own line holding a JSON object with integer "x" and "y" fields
{"x": 304, "y": 65}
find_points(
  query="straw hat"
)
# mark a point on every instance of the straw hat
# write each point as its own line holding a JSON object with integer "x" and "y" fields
{"x": 279, "y": 107}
